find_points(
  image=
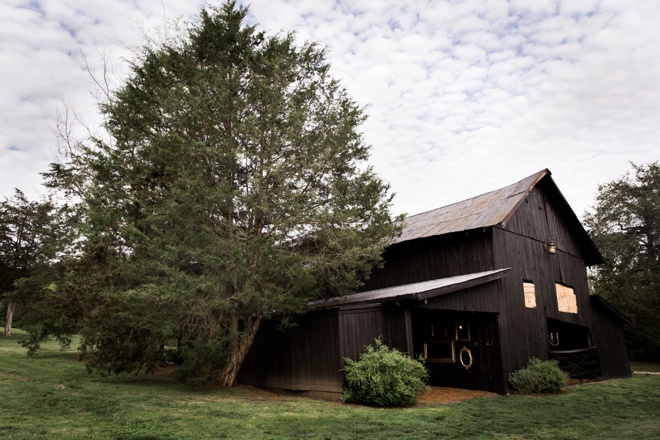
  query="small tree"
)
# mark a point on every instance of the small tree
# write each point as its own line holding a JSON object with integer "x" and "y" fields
{"x": 234, "y": 185}
{"x": 28, "y": 238}
{"x": 625, "y": 225}
{"x": 384, "y": 376}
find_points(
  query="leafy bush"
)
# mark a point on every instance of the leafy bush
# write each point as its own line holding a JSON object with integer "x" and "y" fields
{"x": 538, "y": 377}
{"x": 385, "y": 377}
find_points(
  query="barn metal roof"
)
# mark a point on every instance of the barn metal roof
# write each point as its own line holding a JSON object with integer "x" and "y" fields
{"x": 490, "y": 209}
{"x": 496, "y": 208}
{"x": 418, "y": 291}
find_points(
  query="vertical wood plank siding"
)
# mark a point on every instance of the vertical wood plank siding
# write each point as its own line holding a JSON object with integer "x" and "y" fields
{"x": 360, "y": 326}
{"x": 538, "y": 218}
{"x": 434, "y": 257}
{"x": 523, "y": 247}
{"x": 304, "y": 357}
{"x": 607, "y": 334}
{"x": 309, "y": 356}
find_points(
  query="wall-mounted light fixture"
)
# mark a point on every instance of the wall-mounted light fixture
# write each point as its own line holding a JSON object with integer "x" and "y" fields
{"x": 552, "y": 247}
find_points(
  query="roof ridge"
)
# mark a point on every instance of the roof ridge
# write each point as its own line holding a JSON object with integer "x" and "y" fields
{"x": 541, "y": 173}
{"x": 492, "y": 208}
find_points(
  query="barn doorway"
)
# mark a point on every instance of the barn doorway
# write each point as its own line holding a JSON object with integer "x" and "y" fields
{"x": 565, "y": 336}
{"x": 461, "y": 349}
{"x": 571, "y": 345}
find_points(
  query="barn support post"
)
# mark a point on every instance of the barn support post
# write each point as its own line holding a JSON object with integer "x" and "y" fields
{"x": 409, "y": 335}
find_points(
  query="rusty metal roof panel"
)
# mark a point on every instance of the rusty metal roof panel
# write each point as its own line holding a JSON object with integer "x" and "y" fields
{"x": 490, "y": 209}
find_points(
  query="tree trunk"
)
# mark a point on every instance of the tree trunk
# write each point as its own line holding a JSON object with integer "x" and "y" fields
{"x": 10, "y": 317}
{"x": 240, "y": 346}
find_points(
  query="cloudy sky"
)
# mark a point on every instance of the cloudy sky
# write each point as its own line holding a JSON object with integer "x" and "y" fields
{"x": 463, "y": 97}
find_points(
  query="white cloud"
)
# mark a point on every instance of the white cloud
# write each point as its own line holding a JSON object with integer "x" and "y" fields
{"x": 462, "y": 97}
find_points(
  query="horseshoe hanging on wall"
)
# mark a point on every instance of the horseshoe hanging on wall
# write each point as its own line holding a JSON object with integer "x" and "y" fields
{"x": 554, "y": 341}
{"x": 462, "y": 351}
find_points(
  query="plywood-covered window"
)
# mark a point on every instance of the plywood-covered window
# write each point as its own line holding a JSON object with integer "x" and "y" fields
{"x": 566, "y": 299}
{"x": 530, "y": 294}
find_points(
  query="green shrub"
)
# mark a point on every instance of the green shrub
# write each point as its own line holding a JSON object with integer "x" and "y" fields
{"x": 384, "y": 377}
{"x": 538, "y": 377}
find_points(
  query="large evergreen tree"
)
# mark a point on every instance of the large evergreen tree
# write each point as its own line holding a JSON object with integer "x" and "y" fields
{"x": 235, "y": 188}
{"x": 625, "y": 225}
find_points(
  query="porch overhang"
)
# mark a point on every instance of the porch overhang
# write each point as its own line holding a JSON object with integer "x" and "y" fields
{"x": 414, "y": 291}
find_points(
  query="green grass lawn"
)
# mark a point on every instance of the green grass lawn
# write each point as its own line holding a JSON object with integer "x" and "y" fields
{"x": 52, "y": 396}
{"x": 647, "y": 367}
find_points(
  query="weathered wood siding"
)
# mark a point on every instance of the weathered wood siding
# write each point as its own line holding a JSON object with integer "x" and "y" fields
{"x": 358, "y": 327}
{"x": 434, "y": 257}
{"x": 524, "y": 330}
{"x": 607, "y": 333}
{"x": 522, "y": 245}
{"x": 308, "y": 357}
{"x": 303, "y": 358}
{"x": 540, "y": 218}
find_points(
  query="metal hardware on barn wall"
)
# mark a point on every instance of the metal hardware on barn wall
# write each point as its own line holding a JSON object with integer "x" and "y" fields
{"x": 554, "y": 341}
{"x": 552, "y": 247}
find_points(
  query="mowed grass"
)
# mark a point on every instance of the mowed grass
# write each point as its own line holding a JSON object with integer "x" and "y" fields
{"x": 51, "y": 396}
{"x": 644, "y": 367}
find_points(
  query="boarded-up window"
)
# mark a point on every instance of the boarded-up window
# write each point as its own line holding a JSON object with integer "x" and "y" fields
{"x": 566, "y": 300}
{"x": 530, "y": 294}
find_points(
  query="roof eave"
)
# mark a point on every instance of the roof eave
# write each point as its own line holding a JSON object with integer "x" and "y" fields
{"x": 413, "y": 291}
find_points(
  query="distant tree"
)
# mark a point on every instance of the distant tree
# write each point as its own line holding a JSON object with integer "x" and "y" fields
{"x": 27, "y": 238}
{"x": 234, "y": 187}
{"x": 625, "y": 225}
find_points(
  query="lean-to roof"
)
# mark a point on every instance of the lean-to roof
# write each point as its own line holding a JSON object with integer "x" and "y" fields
{"x": 414, "y": 291}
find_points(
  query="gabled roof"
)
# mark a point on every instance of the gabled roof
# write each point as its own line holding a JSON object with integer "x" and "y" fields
{"x": 415, "y": 291}
{"x": 496, "y": 208}
{"x": 490, "y": 209}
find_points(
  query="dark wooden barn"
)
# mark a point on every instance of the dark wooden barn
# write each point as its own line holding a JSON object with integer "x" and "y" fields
{"x": 477, "y": 288}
